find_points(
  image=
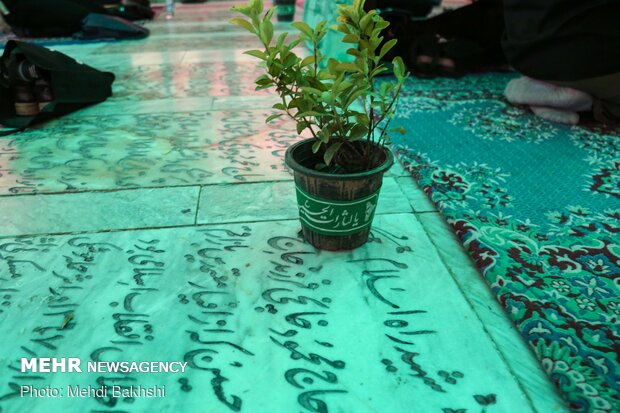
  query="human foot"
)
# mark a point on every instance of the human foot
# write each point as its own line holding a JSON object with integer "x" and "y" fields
{"x": 527, "y": 91}
{"x": 556, "y": 115}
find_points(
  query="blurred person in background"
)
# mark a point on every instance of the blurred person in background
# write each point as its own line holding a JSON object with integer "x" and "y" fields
{"x": 569, "y": 54}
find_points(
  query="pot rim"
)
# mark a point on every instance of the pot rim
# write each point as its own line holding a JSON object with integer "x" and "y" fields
{"x": 297, "y": 167}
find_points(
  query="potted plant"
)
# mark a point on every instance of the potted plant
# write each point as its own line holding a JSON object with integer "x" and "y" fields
{"x": 346, "y": 109}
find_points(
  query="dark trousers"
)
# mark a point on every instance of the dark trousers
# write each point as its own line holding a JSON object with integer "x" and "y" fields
{"x": 606, "y": 93}
{"x": 49, "y": 17}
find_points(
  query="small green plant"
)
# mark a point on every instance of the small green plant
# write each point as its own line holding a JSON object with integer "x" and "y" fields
{"x": 320, "y": 93}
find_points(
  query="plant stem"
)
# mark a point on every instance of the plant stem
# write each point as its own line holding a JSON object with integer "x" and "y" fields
{"x": 387, "y": 112}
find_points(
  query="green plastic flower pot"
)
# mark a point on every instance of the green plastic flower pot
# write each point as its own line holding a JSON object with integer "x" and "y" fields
{"x": 285, "y": 10}
{"x": 335, "y": 210}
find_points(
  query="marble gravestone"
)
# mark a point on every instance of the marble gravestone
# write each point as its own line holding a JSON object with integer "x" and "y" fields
{"x": 264, "y": 321}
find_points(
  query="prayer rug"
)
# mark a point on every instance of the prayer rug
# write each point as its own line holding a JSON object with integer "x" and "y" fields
{"x": 537, "y": 207}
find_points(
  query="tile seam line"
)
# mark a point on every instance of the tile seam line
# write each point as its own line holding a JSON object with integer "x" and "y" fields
{"x": 484, "y": 327}
{"x": 398, "y": 180}
{"x": 198, "y": 225}
{"x": 88, "y": 191}
{"x": 105, "y": 231}
{"x": 210, "y": 109}
{"x": 290, "y": 219}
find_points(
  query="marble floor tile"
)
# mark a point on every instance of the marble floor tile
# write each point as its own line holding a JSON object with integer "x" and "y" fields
{"x": 187, "y": 80}
{"x": 142, "y": 107}
{"x": 217, "y": 55}
{"x": 181, "y": 43}
{"x": 416, "y": 197}
{"x": 398, "y": 170}
{"x": 97, "y": 211}
{"x": 119, "y": 62}
{"x": 78, "y": 51}
{"x": 261, "y": 201}
{"x": 264, "y": 321}
{"x": 149, "y": 150}
{"x": 515, "y": 351}
{"x": 244, "y": 102}
{"x": 266, "y": 201}
{"x": 167, "y": 27}
{"x": 216, "y": 12}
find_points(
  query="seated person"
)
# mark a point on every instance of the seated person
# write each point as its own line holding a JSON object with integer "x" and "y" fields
{"x": 569, "y": 54}
{"x": 567, "y": 50}
{"x": 40, "y": 18}
{"x": 464, "y": 40}
{"x": 52, "y": 18}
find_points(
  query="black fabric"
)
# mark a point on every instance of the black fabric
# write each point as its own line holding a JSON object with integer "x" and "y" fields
{"x": 563, "y": 39}
{"x": 101, "y": 26}
{"x": 74, "y": 85}
{"x": 129, "y": 9}
{"x": 133, "y": 11}
{"x": 417, "y": 8}
{"x": 481, "y": 22}
{"x": 40, "y": 18}
{"x": 471, "y": 35}
{"x": 60, "y": 18}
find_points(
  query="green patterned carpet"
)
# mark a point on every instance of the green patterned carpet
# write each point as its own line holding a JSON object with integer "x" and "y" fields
{"x": 537, "y": 207}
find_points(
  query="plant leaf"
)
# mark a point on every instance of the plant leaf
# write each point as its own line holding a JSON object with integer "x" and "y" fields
{"x": 301, "y": 126}
{"x": 378, "y": 70}
{"x": 245, "y": 10}
{"x": 280, "y": 40}
{"x": 354, "y": 52}
{"x": 268, "y": 14}
{"x": 323, "y": 135}
{"x": 365, "y": 21}
{"x": 316, "y": 146}
{"x": 272, "y": 117}
{"x": 358, "y": 132}
{"x": 304, "y": 28}
{"x": 387, "y": 47}
{"x": 243, "y": 23}
{"x": 263, "y": 80}
{"x": 348, "y": 66}
{"x": 399, "y": 67}
{"x": 331, "y": 151}
{"x": 268, "y": 31}
{"x": 313, "y": 113}
{"x": 350, "y": 38}
{"x": 256, "y": 53}
{"x": 307, "y": 61}
{"x": 312, "y": 90}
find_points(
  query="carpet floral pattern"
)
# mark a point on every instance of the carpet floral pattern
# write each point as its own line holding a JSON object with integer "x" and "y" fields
{"x": 537, "y": 207}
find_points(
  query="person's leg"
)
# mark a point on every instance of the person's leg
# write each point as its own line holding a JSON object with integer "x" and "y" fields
{"x": 551, "y": 102}
{"x": 561, "y": 101}
{"x": 458, "y": 41}
{"x": 481, "y": 22}
{"x": 606, "y": 93}
{"x": 51, "y": 17}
